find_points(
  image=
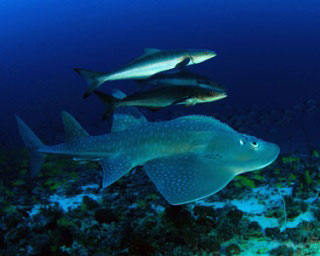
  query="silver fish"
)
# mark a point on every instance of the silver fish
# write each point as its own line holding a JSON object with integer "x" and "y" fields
{"x": 187, "y": 158}
{"x": 161, "y": 97}
{"x": 152, "y": 62}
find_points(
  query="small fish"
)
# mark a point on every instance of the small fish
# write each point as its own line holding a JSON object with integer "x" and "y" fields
{"x": 152, "y": 62}
{"x": 181, "y": 78}
{"x": 188, "y": 158}
{"x": 161, "y": 97}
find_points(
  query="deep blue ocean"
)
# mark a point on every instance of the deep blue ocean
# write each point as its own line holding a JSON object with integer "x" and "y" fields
{"x": 267, "y": 52}
{"x": 268, "y": 59}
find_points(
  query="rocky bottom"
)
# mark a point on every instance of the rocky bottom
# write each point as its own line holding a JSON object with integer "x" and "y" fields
{"x": 274, "y": 211}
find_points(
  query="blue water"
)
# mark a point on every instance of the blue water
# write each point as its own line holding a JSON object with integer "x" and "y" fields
{"x": 268, "y": 58}
{"x": 268, "y": 52}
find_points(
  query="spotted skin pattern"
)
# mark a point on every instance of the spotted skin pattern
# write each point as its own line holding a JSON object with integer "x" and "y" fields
{"x": 188, "y": 158}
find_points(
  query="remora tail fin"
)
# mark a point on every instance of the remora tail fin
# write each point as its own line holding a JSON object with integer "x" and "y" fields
{"x": 33, "y": 143}
{"x": 109, "y": 102}
{"x": 92, "y": 78}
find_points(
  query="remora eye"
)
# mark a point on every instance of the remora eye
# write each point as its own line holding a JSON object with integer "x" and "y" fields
{"x": 206, "y": 53}
{"x": 254, "y": 144}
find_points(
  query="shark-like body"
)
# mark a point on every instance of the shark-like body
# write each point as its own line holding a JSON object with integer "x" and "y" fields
{"x": 187, "y": 158}
{"x": 151, "y": 62}
{"x": 161, "y": 97}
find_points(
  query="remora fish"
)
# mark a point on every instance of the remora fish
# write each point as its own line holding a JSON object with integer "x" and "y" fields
{"x": 188, "y": 158}
{"x": 161, "y": 97}
{"x": 153, "y": 61}
{"x": 181, "y": 78}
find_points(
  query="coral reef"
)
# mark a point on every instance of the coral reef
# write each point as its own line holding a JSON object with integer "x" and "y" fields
{"x": 275, "y": 211}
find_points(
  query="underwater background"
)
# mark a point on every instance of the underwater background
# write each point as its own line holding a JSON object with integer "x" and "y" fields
{"x": 267, "y": 58}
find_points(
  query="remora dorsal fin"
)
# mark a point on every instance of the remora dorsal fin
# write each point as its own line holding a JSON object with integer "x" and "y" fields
{"x": 127, "y": 117}
{"x": 72, "y": 128}
{"x": 148, "y": 51}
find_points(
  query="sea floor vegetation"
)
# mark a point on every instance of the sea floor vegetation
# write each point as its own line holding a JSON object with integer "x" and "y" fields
{"x": 274, "y": 211}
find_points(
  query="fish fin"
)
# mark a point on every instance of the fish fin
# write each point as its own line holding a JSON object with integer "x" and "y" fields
{"x": 33, "y": 144}
{"x": 92, "y": 78}
{"x": 72, "y": 129}
{"x": 114, "y": 168}
{"x": 148, "y": 51}
{"x": 188, "y": 177}
{"x": 181, "y": 100}
{"x": 118, "y": 94}
{"x": 127, "y": 117}
{"x": 183, "y": 64}
{"x": 109, "y": 103}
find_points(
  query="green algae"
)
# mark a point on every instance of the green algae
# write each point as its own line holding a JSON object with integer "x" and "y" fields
{"x": 23, "y": 172}
{"x": 18, "y": 182}
{"x": 258, "y": 177}
{"x": 292, "y": 177}
{"x": 277, "y": 171}
{"x": 73, "y": 175}
{"x": 307, "y": 177}
{"x": 315, "y": 154}
{"x": 53, "y": 184}
{"x": 9, "y": 209}
{"x": 152, "y": 196}
{"x": 243, "y": 181}
{"x": 141, "y": 203}
{"x": 290, "y": 159}
{"x": 8, "y": 192}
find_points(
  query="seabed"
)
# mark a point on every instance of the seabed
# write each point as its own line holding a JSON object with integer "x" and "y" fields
{"x": 274, "y": 211}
